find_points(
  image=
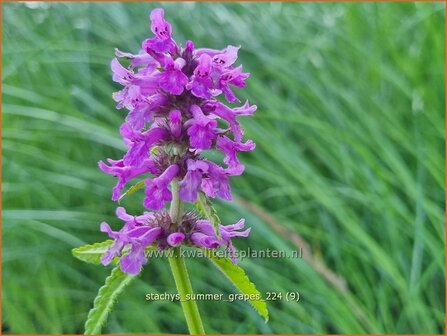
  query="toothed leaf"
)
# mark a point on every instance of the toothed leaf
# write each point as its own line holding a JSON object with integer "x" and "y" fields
{"x": 241, "y": 281}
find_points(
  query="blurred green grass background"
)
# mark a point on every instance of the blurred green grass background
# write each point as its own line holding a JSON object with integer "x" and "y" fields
{"x": 350, "y": 155}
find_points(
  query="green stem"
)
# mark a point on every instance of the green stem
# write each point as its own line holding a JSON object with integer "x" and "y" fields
{"x": 180, "y": 273}
{"x": 189, "y": 306}
{"x": 176, "y": 209}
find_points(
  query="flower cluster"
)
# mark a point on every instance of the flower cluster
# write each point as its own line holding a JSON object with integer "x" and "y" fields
{"x": 174, "y": 116}
{"x": 139, "y": 232}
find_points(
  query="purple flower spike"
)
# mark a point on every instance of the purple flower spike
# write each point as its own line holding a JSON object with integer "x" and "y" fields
{"x": 174, "y": 97}
{"x": 202, "y": 130}
{"x": 192, "y": 181}
{"x": 157, "y": 192}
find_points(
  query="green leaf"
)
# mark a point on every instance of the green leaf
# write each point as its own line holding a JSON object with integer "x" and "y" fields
{"x": 132, "y": 189}
{"x": 105, "y": 300}
{"x": 206, "y": 209}
{"x": 241, "y": 281}
{"x": 92, "y": 253}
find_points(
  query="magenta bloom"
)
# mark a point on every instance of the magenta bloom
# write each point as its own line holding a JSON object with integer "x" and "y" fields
{"x": 155, "y": 229}
{"x": 201, "y": 83}
{"x": 225, "y": 59}
{"x": 191, "y": 183}
{"x": 126, "y": 173}
{"x": 174, "y": 97}
{"x": 157, "y": 192}
{"x": 162, "y": 42}
{"x": 202, "y": 130}
{"x": 229, "y": 115}
{"x": 134, "y": 234}
{"x": 175, "y": 239}
{"x": 173, "y": 80}
{"x": 216, "y": 183}
{"x": 139, "y": 144}
{"x": 205, "y": 236}
{"x": 175, "y": 123}
{"x": 230, "y": 148}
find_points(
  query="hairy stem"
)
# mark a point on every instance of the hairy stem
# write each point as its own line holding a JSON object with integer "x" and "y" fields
{"x": 180, "y": 273}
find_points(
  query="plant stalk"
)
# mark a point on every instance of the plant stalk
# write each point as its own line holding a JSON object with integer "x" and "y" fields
{"x": 180, "y": 272}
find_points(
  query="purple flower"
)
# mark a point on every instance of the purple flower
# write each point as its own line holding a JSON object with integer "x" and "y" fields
{"x": 221, "y": 70}
{"x": 171, "y": 87}
{"x": 187, "y": 54}
{"x": 175, "y": 239}
{"x": 134, "y": 220}
{"x": 140, "y": 105}
{"x": 173, "y": 80}
{"x": 202, "y": 240}
{"x": 216, "y": 184}
{"x": 133, "y": 233}
{"x": 142, "y": 58}
{"x": 121, "y": 74}
{"x": 157, "y": 192}
{"x": 132, "y": 262}
{"x": 162, "y": 42}
{"x": 125, "y": 76}
{"x": 201, "y": 130}
{"x": 141, "y": 238}
{"x": 126, "y": 173}
{"x": 229, "y": 114}
{"x": 205, "y": 236}
{"x": 201, "y": 82}
{"x": 230, "y": 148}
{"x": 141, "y": 113}
{"x": 140, "y": 143}
{"x": 226, "y": 57}
{"x": 192, "y": 181}
{"x": 234, "y": 77}
{"x": 175, "y": 123}
{"x": 128, "y": 97}
{"x": 159, "y": 26}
